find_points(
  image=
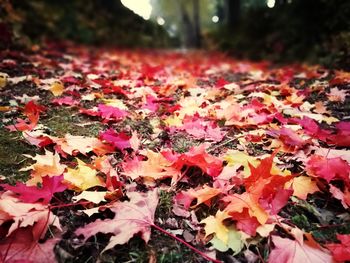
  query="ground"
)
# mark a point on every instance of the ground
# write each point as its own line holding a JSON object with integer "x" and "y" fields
{"x": 164, "y": 156}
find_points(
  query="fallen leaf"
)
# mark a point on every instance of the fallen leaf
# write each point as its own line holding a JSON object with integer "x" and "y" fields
{"x": 135, "y": 216}
{"x": 45, "y": 165}
{"x": 31, "y": 194}
{"x": 302, "y": 186}
{"x": 298, "y": 250}
{"x": 340, "y": 252}
{"x": 328, "y": 168}
{"x": 82, "y": 177}
{"x": 155, "y": 167}
{"x": 343, "y": 196}
{"x": 21, "y": 246}
{"x": 92, "y": 196}
{"x": 120, "y": 140}
{"x": 56, "y": 88}
{"x": 215, "y": 225}
{"x": 234, "y": 242}
{"x": 337, "y": 95}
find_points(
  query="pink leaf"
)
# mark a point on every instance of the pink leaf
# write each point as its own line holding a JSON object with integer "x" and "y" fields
{"x": 135, "y": 216}
{"x": 118, "y": 140}
{"x": 110, "y": 112}
{"x": 31, "y": 194}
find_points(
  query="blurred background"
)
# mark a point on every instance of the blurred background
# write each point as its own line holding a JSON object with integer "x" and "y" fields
{"x": 315, "y": 31}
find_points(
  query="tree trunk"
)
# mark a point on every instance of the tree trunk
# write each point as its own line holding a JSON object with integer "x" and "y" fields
{"x": 196, "y": 24}
{"x": 234, "y": 11}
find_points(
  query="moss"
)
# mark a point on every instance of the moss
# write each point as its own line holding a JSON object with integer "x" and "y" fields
{"x": 181, "y": 142}
{"x": 11, "y": 156}
{"x": 61, "y": 121}
{"x": 143, "y": 127}
{"x": 170, "y": 251}
{"x": 165, "y": 204}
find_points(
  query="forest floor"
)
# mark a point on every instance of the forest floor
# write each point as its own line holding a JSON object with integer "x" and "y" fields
{"x": 161, "y": 156}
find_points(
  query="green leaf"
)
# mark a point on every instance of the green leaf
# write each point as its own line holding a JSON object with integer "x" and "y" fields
{"x": 234, "y": 241}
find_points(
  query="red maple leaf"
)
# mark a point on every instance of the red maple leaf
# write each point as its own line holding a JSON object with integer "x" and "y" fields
{"x": 32, "y": 111}
{"x": 22, "y": 247}
{"x": 31, "y": 194}
{"x": 197, "y": 156}
{"x": 120, "y": 140}
{"x": 342, "y": 136}
{"x": 340, "y": 252}
{"x": 328, "y": 168}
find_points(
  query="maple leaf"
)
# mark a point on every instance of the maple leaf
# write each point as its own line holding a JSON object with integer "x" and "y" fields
{"x": 239, "y": 202}
{"x": 265, "y": 195}
{"x": 31, "y": 194}
{"x": 328, "y": 168}
{"x": 32, "y": 112}
{"x": 302, "y": 186}
{"x": 311, "y": 127}
{"x": 73, "y": 145}
{"x": 203, "y": 195}
{"x": 233, "y": 157}
{"x": 340, "y": 77}
{"x": 37, "y": 138}
{"x": 340, "y": 252}
{"x": 245, "y": 222}
{"x": 82, "y": 177}
{"x": 92, "y": 196}
{"x": 342, "y": 136}
{"x": 151, "y": 103}
{"x": 120, "y": 140}
{"x": 344, "y": 197}
{"x": 214, "y": 224}
{"x": 155, "y": 167}
{"x": 234, "y": 241}
{"x": 135, "y": 141}
{"x": 45, "y": 165}
{"x": 21, "y": 215}
{"x": 56, "y": 88}
{"x": 110, "y": 112}
{"x": 320, "y": 108}
{"x": 22, "y": 246}
{"x": 298, "y": 250}
{"x": 197, "y": 156}
{"x": 288, "y": 137}
{"x": 135, "y": 216}
{"x": 337, "y": 95}
{"x": 68, "y": 100}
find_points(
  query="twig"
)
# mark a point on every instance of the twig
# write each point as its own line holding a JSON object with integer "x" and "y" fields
{"x": 223, "y": 144}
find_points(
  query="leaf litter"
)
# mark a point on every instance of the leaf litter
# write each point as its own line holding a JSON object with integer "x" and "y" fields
{"x": 158, "y": 155}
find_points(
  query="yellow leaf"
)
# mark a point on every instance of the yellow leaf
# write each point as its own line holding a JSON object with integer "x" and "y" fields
{"x": 234, "y": 241}
{"x": 57, "y": 88}
{"x": 3, "y": 80}
{"x": 82, "y": 177}
{"x": 303, "y": 186}
{"x": 214, "y": 224}
{"x": 173, "y": 121}
{"x": 115, "y": 103}
{"x": 241, "y": 158}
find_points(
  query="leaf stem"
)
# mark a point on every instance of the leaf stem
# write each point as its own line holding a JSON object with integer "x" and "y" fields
{"x": 186, "y": 244}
